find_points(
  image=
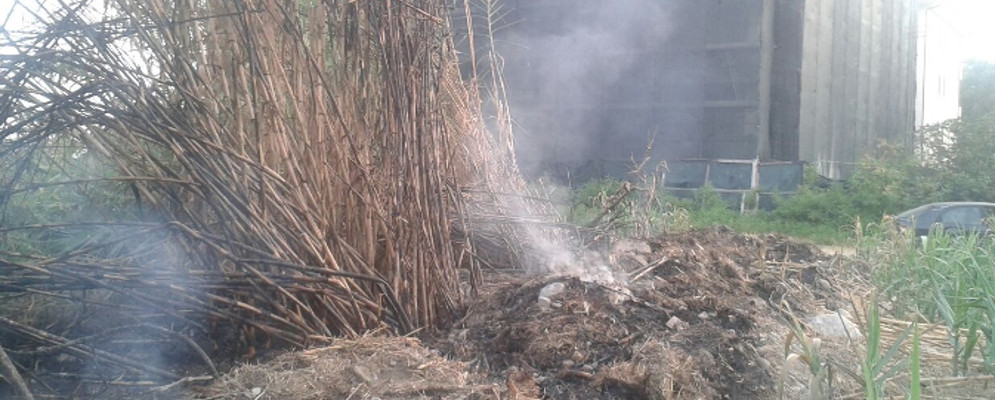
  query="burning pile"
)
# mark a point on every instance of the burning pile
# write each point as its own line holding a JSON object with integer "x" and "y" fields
{"x": 701, "y": 320}
{"x": 693, "y": 321}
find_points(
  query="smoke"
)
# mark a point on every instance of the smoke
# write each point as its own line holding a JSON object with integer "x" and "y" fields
{"x": 577, "y": 73}
{"x": 588, "y": 80}
{"x": 142, "y": 331}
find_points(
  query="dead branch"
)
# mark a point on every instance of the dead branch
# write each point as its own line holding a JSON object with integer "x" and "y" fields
{"x": 14, "y": 377}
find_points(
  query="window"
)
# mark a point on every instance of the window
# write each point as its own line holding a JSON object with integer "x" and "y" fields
{"x": 961, "y": 217}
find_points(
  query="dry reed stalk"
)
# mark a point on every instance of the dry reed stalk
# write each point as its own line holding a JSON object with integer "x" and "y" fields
{"x": 10, "y": 374}
{"x": 499, "y": 207}
{"x": 292, "y": 170}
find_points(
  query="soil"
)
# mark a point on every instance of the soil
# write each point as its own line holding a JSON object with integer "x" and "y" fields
{"x": 693, "y": 326}
{"x": 695, "y": 315}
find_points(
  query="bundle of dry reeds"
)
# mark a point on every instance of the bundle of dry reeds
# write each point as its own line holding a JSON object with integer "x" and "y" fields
{"x": 508, "y": 223}
{"x": 287, "y": 170}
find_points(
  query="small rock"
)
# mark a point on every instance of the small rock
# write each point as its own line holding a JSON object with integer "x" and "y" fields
{"x": 568, "y": 364}
{"x": 547, "y": 293}
{"x": 677, "y": 324}
{"x": 824, "y": 285}
{"x": 552, "y": 289}
{"x": 545, "y": 303}
{"x": 704, "y": 315}
{"x": 577, "y": 357}
{"x": 833, "y": 325}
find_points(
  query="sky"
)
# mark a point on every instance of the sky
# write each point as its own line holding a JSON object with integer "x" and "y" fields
{"x": 975, "y": 20}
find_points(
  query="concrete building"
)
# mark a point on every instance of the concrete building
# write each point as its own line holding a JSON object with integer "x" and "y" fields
{"x": 939, "y": 66}
{"x": 821, "y": 81}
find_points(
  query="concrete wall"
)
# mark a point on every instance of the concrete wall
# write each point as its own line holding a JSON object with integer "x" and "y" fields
{"x": 786, "y": 79}
{"x": 857, "y": 80}
{"x": 594, "y": 80}
{"x": 590, "y": 81}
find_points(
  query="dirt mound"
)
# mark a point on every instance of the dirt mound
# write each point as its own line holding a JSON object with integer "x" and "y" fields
{"x": 686, "y": 316}
{"x": 688, "y": 329}
{"x": 587, "y": 346}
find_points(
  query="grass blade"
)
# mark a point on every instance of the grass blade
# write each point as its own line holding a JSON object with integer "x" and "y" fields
{"x": 915, "y": 388}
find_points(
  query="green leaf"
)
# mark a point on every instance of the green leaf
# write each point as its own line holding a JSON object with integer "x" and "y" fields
{"x": 891, "y": 372}
{"x": 915, "y": 387}
{"x": 972, "y": 341}
{"x": 893, "y": 350}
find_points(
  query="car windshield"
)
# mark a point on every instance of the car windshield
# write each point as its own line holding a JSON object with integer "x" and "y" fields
{"x": 913, "y": 213}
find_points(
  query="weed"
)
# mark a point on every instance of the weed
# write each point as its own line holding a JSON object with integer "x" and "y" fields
{"x": 820, "y": 380}
{"x": 949, "y": 279}
{"x": 877, "y": 368}
{"x": 915, "y": 386}
{"x": 642, "y": 212}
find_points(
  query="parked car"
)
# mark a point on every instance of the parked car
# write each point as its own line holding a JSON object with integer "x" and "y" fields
{"x": 954, "y": 218}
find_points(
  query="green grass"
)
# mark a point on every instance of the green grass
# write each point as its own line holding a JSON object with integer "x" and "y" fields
{"x": 807, "y": 216}
{"x": 949, "y": 280}
{"x": 765, "y": 223}
{"x": 707, "y": 209}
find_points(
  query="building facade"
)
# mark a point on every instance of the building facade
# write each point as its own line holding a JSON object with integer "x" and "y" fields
{"x": 940, "y": 63}
{"x": 821, "y": 81}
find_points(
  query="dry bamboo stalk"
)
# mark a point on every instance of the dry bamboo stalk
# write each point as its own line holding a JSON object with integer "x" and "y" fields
{"x": 82, "y": 349}
{"x": 302, "y": 169}
{"x": 13, "y": 376}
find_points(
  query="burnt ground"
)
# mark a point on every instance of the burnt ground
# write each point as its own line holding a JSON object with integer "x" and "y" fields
{"x": 691, "y": 328}
{"x": 700, "y": 315}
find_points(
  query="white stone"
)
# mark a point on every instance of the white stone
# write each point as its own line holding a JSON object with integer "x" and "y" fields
{"x": 548, "y": 292}
{"x": 834, "y": 325}
{"x": 677, "y": 324}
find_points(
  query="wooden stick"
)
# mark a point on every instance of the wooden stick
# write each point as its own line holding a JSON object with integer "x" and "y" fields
{"x": 14, "y": 377}
{"x": 84, "y": 350}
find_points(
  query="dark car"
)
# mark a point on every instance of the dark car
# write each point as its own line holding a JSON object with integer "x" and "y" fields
{"x": 954, "y": 218}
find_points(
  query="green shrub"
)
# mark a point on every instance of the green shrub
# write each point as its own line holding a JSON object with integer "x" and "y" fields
{"x": 708, "y": 200}
{"x": 953, "y": 162}
{"x": 832, "y": 206}
{"x": 588, "y": 201}
{"x": 68, "y": 186}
